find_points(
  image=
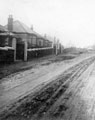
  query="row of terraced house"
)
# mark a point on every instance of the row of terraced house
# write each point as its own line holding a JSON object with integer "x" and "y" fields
{"x": 19, "y": 42}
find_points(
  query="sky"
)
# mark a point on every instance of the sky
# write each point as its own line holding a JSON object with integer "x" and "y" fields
{"x": 70, "y": 21}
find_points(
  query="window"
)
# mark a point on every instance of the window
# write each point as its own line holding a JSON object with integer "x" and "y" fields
{"x": 5, "y": 41}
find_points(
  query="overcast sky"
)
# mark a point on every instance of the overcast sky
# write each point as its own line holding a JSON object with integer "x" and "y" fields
{"x": 72, "y": 21}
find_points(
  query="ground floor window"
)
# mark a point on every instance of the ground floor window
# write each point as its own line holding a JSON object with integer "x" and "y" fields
{"x": 5, "y": 41}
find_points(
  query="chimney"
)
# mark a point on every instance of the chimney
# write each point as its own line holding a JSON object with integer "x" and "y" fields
{"x": 10, "y": 23}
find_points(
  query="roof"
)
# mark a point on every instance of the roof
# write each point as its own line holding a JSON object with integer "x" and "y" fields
{"x": 3, "y": 29}
{"x": 20, "y": 27}
{"x": 51, "y": 39}
{"x": 5, "y": 32}
{"x": 38, "y": 35}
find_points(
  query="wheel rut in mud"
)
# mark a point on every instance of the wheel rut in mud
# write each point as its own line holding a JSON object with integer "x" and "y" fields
{"x": 37, "y": 105}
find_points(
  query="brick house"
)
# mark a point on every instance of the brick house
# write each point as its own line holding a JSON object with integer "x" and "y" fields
{"x": 27, "y": 39}
{"x": 7, "y": 45}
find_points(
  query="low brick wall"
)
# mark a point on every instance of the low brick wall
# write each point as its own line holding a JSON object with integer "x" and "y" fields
{"x": 39, "y": 53}
{"x": 6, "y": 56}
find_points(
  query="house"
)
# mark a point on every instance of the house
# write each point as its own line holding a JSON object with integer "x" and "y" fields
{"x": 27, "y": 40}
{"x": 23, "y": 42}
{"x": 7, "y": 45}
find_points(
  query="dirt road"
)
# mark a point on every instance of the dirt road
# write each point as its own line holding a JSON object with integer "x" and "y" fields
{"x": 56, "y": 91}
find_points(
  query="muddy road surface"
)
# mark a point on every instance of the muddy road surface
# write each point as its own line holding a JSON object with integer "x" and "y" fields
{"x": 54, "y": 94}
